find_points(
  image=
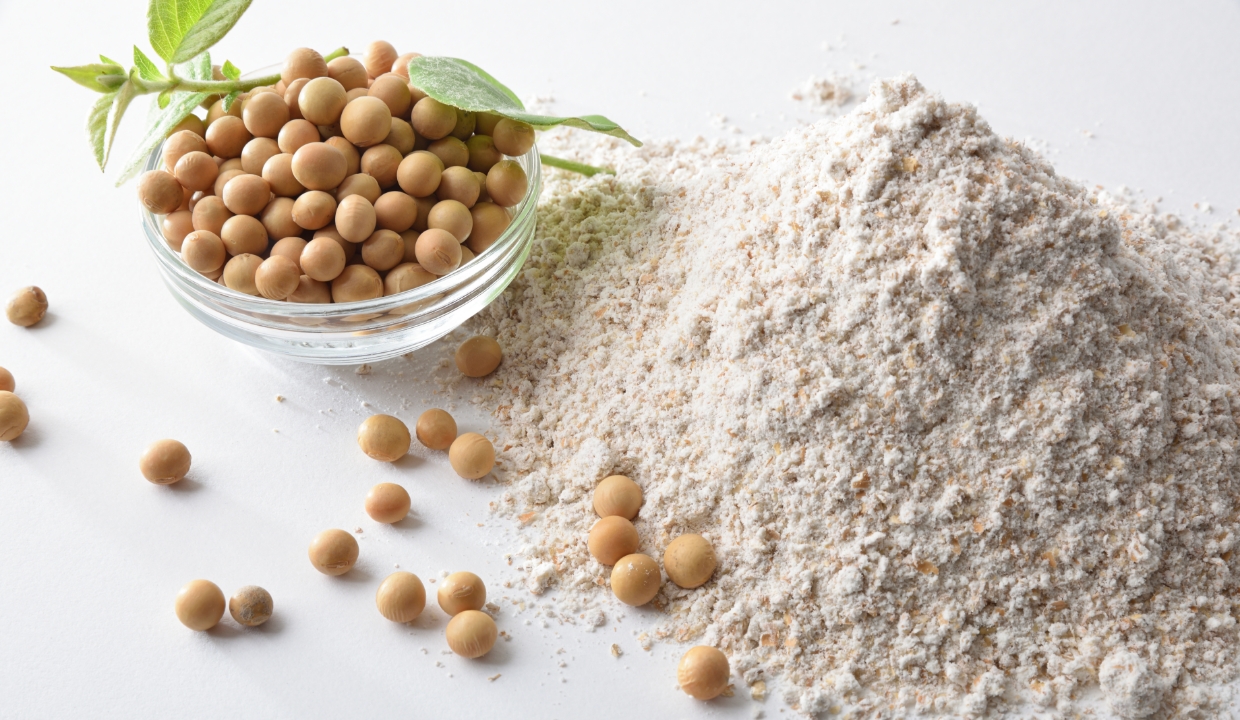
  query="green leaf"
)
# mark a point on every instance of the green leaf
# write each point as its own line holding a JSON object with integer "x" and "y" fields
{"x": 88, "y": 75}
{"x": 97, "y": 125}
{"x": 468, "y": 87}
{"x": 146, "y": 68}
{"x": 182, "y": 104}
{"x": 198, "y": 68}
{"x": 574, "y": 166}
{"x": 232, "y": 72}
{"x": 181, "y": 29}
{"x": 108, "y": 61}
{"x": 123, "y": 97}
{"x": 165, "y": 97}
{"x": 231, "y": 98}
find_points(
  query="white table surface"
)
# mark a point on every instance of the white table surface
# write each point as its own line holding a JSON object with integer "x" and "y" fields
{"x": 94, "y": 554}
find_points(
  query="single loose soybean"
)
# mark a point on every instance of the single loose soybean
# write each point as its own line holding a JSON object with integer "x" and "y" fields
{"x": 294, "y": 135}
{"x": 617, "y": 495}
{"x": 243, "y": 234}
{"x": 164, "y": 462}
{"x": 246, "y": 194}
{"x": 278, "y": 172}
{"x": 314, "y": 209}
{"x": 506, "y": 183}
{"x": 355, "y": 218}
{"x": 322, "y": 100}
{"x": 689, "y": 561}
{"x": 489, "y": 223}
{"x": 381, "y": 162}
{"x": 14, "y": 417}
{"x": 323, "y": 259}
{"x": 265, "y": 114}
{"x": 310, "y": 290}
{"x": 349, "y": 72}
{"x": 401, "y": 597}
{"x": 251, "y": 606}
{"x": 419, "y": 173}
{"x": 635, "y": 579}
{"x": 366, "y": 121}
{"x": 459, "y": 184}
{"x": 203, "y": 251}
{"x": 453, "y": 216}
{"x": 27, "y": 306}
{"x": 319, "y": 166}
{"x": 406, "y": 276}
{"x": 333, "y": 552}
{"x": 461, "y": 591}
{"x": 379, "y": 58}
{"x": 612, "y": 538}
{"x": 438, "y": 251}
{"x": 277, "y": 218}
{"x": 513, "y": 137}
{"x": 290, "y": 247}
{"x": 436, "y": 429}
{"x": 472, "y": 456}
{"x": 277, "y": 277}
{"x": 383, "y": 250}
{"x": 303, "y": 63}
{"x": 239, "y": 273}
{"x": 387, "y": 503}
{"x": 394, "y": 92}
{"x": 703, "y": 672}
{"x": 227, "y": 137}
{"x": 357, "y": 282}
{"x": 200, "y": 605}
{"x": 432, "y": 119}
{"x": 383, "y": 437}
{"x": 359, "y": 184}
{"x": 159, "y": 192}
{"x": 256, "y": 153}
{"x": 478, "y": 356}
{"x": 471, "y": 634}
{"x": 7, "y": 383}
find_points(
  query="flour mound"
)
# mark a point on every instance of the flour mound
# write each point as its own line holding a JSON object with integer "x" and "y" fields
{"x": 958, "y": 428}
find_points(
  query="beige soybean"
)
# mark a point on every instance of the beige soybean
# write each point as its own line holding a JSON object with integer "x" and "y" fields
{"x": 291, "y": 248}
{"x": 419, "y": 173}
{"x": 159, "y": 192}
{"x": 395, "y": 211}
{"x": 401, "y": 597}
{"x": 278, "y": 172}
{"x": 478, "y": 356}
{"x": 251, "y": 606}
{"x": 196, "y": 171}
{"x": 489, "y": 223}
{"x": 239, "y": 273}
{"x": 350, "y": 249}
{"x": 203, "y": 251}
{"x": 314, "y": 209}
{"x": 27, "y": 306}
{"x": 216, "y": 111}
{"x": 310, "y": 290}
{"x": 292, "y": 98}
{"x": 277, "y": 218}
{"x": 483, "y": 197}
{"x": 294, "y": 135}
{"x": 227, "y": 137}
{"x": 612, "y": 538}
{"x": 486, "y": 122}
{"x": 243, "y": 234}
{"x": 393, "y": 90}
{"x": 381, "y": 162}
{"x": 401, "y": 137}
{"x": 379, "y": 57}
{"x": 326, "y": 132}
{"x": 466, "y": 254}
{"x": 303, "y": 63}
{"x": 506, "y": 183}
{"x": 165, "y": 462}
{"x": 383, "y": 250}
{"x": 357, "y": 282}
{"x": 471, "y": 634}
{"x": 222, "y": 179}
{"x": 355, "y": 218}
{"x": 14, "y": 417}
{"x": 256, "y": 153}
{"x": 436, "y": 429}
{"x": 482, "y": 153}
{"x": 7, "y": 383}
{"x": 450, "y": 151}
{"x": 636, "y": 579}
{"x": 246, "y": 194}
{"x": 432, "y": 119}
{"x": 438, "y": 251}
{"x": 690, "y": 560}
{"x": 617, "y": 495}
{"x": 366, "y": 121}
{"x": 466, "y": 121}
{"x": 383, "y": 437}
{"x": 352, "y": 158}
{"x": 277, "y": 277}
{"x": 424, "y": 210}
{"x": 199, "y": 605}
{"x": 400, "y": 66}
{"x": 461, "y": 591}
{"x": 354, "y": 94}
{"x": 406, "y": 276}
{"x": 513, "y": 137}
{"x": 191, "y": 123}
{"x": 265, "y": 114}
{"x": 387, "y": 503}
{"x": 359, "y": 184}
{"x": 349, "y": 72}
{"x": 703, "y": 672}
{"x": 178, "y": 144}
{"x": 411, "y": 246}
{"x": 333, "y": 552}
{"x": 452, "y": 216}
{"x": 472, "y": 456}
{"x": 176, "y": 226}
{"x": 322, "y": 100}
{"x": 323, "y": 259}
{"x": 319, "y": 166}
{"x": 459, "y": 184}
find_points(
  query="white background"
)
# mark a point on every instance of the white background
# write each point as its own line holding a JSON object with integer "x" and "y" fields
{"x": 94, "y": 555}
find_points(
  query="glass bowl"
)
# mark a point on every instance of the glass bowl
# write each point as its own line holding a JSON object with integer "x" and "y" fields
{"x": 354, "y": 332}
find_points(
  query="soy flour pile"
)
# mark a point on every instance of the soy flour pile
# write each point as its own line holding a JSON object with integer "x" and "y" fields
{"x": 960, "y": 430}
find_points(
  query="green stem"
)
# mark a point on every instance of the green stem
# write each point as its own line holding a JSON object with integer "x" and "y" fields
{"x": 561, "y": 163}
{"x": 223, "y": 87}
{"x": 338, "y": 52}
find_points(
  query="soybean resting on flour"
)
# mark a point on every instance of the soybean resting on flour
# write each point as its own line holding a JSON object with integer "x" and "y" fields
{"x": 960, "y": 430}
